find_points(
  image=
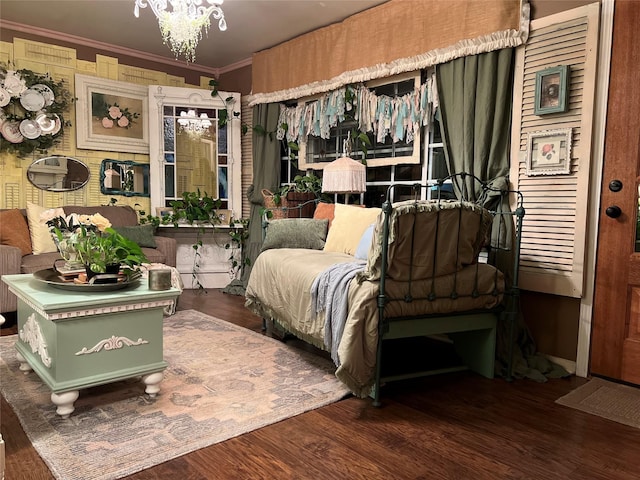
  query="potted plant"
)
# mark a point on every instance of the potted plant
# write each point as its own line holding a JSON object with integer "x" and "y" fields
{"x": 101, "y": 251}
{"x": 303, "y": 189}
{"x": 95, "y": 244}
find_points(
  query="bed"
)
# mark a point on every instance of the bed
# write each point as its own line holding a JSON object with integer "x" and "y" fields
{"x": 446, "y": 269}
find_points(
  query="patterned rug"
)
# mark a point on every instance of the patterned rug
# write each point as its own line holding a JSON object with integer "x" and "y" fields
{"x": 614, "y": 401}
{"x": 222, "y": 381}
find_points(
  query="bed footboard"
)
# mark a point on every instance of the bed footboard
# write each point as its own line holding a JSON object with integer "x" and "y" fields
{"x": 449, "y": 268}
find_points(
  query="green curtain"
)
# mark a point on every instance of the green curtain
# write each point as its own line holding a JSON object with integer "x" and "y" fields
{"x": 266, "y": 174}
{"x": 475, "y": 95}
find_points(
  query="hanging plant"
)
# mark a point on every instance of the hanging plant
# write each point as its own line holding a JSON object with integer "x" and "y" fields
{"x": 33, "y": 109}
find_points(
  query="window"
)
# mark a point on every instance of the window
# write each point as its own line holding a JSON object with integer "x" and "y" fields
{"x": 195, "y": 146}
{"x": 315, "y": 151}
{"x": 418, "y": 161}
{"x": 432, "y": 167}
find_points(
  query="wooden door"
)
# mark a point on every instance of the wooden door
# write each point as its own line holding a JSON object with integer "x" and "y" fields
{"x": 615, "y": 340}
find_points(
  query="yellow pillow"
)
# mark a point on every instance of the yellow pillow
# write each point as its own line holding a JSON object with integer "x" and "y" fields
{"x": 41, "y": 239}
{"x": 349, "y": 223}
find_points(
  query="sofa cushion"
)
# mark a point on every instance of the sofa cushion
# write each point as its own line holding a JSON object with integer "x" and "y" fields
{"x": 41, "y": 239}
{"x": 348, "y": 226}
{"x": 296, "y": 233}
{"x": 14, "y": 230}
{"x": 324, "y": 210}
{"x": 141, "y": 234}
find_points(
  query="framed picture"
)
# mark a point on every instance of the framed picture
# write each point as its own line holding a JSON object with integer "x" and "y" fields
{"x": 552, "y": 92}
{"x": 111, "y": 116}
{"x": 549, "y": 152}
{"x": 163, "y": 211}
{"x": 224, "y": 216}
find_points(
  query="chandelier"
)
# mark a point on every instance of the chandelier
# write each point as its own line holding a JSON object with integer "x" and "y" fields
{"x": 192, "y": 124}
{"x": 181, "y": 28}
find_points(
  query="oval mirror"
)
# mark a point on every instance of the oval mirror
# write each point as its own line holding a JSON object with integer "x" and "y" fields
{"x": 58, "y": 174}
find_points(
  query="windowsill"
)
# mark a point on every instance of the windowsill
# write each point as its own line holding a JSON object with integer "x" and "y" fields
{"x": 206, "y": 226}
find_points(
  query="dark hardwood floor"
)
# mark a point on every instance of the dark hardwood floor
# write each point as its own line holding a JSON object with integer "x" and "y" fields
{"x": 454, "y": 426}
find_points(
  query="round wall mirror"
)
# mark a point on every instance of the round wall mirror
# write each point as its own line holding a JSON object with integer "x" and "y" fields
{"x": 58, "y": 174}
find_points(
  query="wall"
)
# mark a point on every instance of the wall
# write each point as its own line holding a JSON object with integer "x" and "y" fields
{"x": 238, "y": 80}
{"x": 63, "y": 62}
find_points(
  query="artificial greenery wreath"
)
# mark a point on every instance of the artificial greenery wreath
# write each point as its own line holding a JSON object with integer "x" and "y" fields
{"x": 13, "y": 86}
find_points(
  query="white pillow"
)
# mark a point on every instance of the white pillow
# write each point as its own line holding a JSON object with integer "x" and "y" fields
{"x": 41, "y": 239}
{"x": 348, "y": 226}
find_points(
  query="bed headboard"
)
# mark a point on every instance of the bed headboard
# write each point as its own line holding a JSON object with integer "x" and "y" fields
{"x": 445, "y": 256}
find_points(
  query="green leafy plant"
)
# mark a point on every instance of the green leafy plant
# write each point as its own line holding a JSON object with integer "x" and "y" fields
{"x": 223, "y": 115}
{"x": 199, "y": 210}
{"x": 238, "y": 236}
{"x": 98, "y": 250}
{"x": 195, "y": 208}
{"x": 96, "y": 245}
{"x": 308, "y": 183}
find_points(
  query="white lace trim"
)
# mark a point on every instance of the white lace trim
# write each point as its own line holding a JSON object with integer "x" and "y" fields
{"x": 486, "y": 43}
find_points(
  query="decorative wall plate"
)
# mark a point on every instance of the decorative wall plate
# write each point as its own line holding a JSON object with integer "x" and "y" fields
{"x": 30, "y": 129}
{"x": 46, "y": 92}
{"x": 32, "y": 100}
{"x": 5, "y": 97}
{"x": 47, "y": 123}
{"x": 11, "y": 132}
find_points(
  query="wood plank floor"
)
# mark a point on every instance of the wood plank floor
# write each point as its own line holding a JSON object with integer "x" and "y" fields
{"x": 455, "y": 426}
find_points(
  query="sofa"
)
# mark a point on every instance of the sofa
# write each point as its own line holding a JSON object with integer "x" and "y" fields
{"x": 26, "y": 244}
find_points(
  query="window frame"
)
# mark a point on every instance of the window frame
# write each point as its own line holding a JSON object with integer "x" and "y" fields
{"x": 161, "y": 96}
{"x": 414, "y": 158}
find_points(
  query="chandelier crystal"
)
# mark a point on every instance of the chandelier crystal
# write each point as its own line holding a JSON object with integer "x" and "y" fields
{"x": 182, "y": 27}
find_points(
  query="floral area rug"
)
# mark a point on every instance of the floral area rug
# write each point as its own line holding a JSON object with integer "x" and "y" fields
{"x": 222, "y": 381}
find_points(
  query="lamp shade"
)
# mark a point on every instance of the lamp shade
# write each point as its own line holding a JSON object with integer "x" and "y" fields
{"x": 344, "y": 175}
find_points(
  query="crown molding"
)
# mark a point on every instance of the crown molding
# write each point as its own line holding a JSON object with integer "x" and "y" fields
{"x": 236, "y": 65}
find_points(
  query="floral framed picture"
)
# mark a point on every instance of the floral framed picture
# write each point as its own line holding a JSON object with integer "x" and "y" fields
{"x": 549, "y": 152}
{"x": 111, "y": 115}
{"x": 224, "y": 216}
{"x": 552, "y": 95}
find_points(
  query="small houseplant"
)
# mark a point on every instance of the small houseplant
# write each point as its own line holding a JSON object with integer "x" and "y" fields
{"x": 100, "y": 250}
{"x": 307, "y": 184}
{"x": 95, "y": 244}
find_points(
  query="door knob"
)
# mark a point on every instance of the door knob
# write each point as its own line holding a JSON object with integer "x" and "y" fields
{"x": 613, "y": 211}
{"x": 615, "y": 185}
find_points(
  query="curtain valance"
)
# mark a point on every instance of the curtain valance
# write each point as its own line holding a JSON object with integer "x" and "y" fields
{"x": 395, "y": 37}
{"x": 398, "y": 117}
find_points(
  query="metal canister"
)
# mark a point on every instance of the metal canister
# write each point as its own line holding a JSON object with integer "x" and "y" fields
{"x": 160, "y": 279}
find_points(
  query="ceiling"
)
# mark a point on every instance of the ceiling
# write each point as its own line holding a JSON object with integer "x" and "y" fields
{"x": 253, "y": 25}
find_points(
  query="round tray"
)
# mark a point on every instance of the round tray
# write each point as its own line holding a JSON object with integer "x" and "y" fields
{"x": 52, "y": 277}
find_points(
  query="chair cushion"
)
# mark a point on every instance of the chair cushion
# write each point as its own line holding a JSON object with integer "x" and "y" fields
{"x": 14, "y": 230}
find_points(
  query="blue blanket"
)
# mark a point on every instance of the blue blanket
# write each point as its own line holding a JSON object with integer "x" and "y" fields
{"x": 330, "y": 293}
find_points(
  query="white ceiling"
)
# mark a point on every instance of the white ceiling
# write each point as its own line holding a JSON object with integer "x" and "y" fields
{"x": 253, "y": 25}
